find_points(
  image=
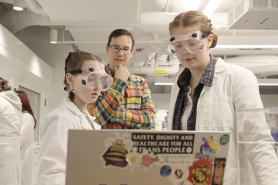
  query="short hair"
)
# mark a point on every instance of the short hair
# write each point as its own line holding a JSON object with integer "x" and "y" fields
{"x": 4, "y": 85}
{"x": 74, "y": 61}
{"x": 119, "y": 32}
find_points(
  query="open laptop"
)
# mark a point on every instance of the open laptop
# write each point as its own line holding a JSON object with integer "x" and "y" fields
{"x": 131, "y": 157}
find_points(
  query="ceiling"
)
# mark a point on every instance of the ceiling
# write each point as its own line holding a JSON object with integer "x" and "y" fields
{"x": 90, "y": 22}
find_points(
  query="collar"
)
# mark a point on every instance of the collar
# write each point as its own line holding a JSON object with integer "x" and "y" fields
{"x": 108, "y": 71}
{"x": 207, "y": 78}
{"x": 221, "y": 65}
{"x": 73, "y": 108}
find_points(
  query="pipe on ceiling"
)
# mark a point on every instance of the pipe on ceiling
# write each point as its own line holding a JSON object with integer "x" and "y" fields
{"x": 15, "y": 21}
{"x": 263, "y": 71}
{"x": 265, "y": 65}
{"x": 35, "y": 6}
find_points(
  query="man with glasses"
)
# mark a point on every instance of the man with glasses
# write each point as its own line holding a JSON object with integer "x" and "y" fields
{"x": 127, "y": 104}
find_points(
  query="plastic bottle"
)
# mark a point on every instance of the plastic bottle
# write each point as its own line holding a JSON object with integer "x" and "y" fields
{"x": 153, "y": 125}
{"x": 165, "y": 123}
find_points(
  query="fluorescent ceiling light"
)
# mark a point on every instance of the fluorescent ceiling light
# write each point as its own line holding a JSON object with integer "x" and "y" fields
{"x": 158, "y": 83}
{"x": 261, "y": 82}
{"x": 211, "y": 7}
{"x": 246, "y": 46}
{"x": 18, "y": 5}
{"x": 220, "y": 25}
{"x": 268, "y": 82}
{"x": 192, "y": 5}
{"x": 53, "y": 36}
{"x": 17, "y": 8}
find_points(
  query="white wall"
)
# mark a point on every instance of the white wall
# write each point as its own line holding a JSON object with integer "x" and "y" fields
{"x": 161, "y": 101}
{"x": 37, "y": 39}
{"x": 270, "y": 100}
{"x": 20, "y": 65}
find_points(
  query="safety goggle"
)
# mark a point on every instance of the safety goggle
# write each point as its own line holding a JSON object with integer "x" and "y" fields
{"x": 97, "y": 77}
{"x": 193, "y": 43}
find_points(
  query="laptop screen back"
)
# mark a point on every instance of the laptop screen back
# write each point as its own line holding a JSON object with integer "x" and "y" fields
{"x": 118, "y": 157}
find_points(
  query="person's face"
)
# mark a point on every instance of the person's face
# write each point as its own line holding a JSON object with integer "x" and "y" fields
{"x": 82, "y": 92}
{"x": 119, "y": 58}
{"x": 197, "y": 60}
{"x": 146, "y": 160}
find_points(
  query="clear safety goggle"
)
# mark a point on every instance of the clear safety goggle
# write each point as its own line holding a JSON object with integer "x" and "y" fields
{"x": 97, "y": 77}
{"x": 193, "y": 43}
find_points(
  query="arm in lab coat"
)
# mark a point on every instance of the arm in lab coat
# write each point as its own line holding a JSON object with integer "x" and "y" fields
{"x": 27, "y": 130}
{"x": 173, "y": 99}
{"x": 53, "y": 149}
{"x": 26, "y": 148}
{"x": 261, "y": 154}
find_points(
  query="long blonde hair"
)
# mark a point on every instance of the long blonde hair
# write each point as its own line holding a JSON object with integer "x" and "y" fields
{"x": 190, "y": 18}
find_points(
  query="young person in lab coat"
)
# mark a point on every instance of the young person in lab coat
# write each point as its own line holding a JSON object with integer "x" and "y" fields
{"x": 212, "y": 95}
{"x": 26, "y": 139}
{"x": 84, "y": 79}
{"x": 10, "y": 121}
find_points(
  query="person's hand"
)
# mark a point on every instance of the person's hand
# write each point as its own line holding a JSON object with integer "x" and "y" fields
{"x": 121, "y": 73}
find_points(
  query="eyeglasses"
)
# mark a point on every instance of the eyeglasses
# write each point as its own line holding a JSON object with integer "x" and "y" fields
{"x": 116, "y": 49}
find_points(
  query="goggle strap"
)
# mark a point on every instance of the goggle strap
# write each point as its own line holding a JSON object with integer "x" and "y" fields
{"x": 195, "y": 35}
{"x": 91, "y": 69}
{"x": 205, "y": 34}
{"x": 75, "y": 72}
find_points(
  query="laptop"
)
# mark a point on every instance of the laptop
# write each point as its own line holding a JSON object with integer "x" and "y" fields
{"x": 135, "y": 157}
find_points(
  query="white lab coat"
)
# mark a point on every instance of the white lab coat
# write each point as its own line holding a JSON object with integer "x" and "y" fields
{"x": 26, "y": 148}
{"x": 53, "y": 141}
{"x": 10, "y": 121}
{"x": 220, "y": 108}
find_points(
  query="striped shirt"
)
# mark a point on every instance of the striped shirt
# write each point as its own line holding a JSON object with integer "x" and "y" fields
{"x": 126, "y": 105}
